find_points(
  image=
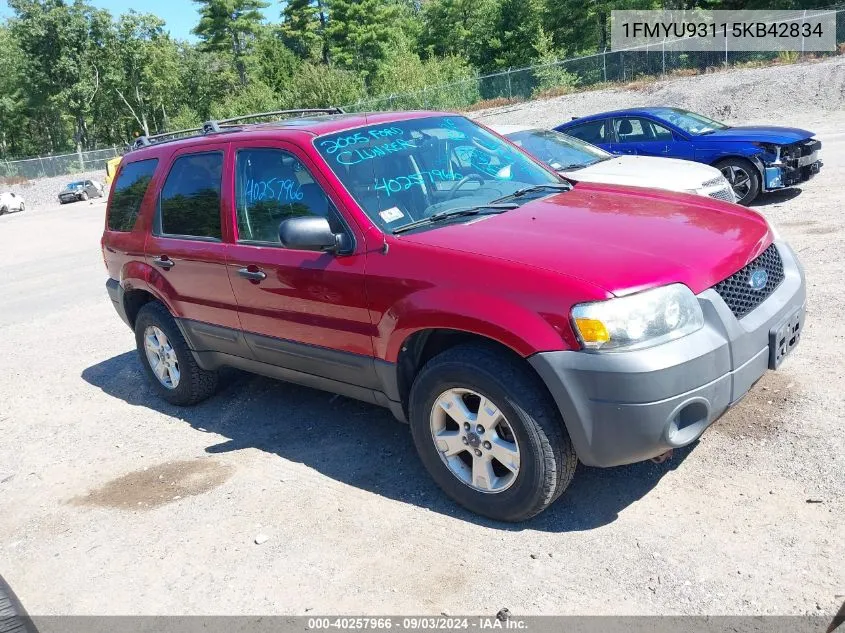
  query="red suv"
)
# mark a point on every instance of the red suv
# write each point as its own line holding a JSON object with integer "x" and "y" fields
{"x": 518, "y": 321}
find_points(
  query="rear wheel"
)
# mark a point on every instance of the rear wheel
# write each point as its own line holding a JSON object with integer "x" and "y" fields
{"x": 489, "y": 434}
{"x": 22, "y": 207}
{"x": 171, "y": 368}
{"x": 743, "y": 178}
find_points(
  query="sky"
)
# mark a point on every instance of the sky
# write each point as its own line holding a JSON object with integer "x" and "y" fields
{"x": 180, "y": 15}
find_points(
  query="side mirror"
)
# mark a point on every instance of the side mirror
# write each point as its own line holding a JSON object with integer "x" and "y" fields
{"x": 312, "y": 234}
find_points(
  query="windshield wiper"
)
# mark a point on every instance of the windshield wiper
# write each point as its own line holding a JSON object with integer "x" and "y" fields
{"x": 562, "y": 186}
{"x": 454, "y": 213}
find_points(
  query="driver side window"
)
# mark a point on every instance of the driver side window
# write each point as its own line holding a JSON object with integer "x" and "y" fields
{"x": 271, "y": 186}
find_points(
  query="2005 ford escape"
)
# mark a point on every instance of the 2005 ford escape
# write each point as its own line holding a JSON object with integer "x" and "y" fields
{"x": 519, "y": 322}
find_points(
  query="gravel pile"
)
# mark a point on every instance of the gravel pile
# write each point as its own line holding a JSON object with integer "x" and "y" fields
{"x": 771, "y": 94}
{"x": 44, "y": 191}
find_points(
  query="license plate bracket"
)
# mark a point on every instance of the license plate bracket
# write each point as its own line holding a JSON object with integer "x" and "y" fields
{"x": 784, "y": 337}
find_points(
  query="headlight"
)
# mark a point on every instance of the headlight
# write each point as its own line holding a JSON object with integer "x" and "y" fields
{"x": 639, "y": 320}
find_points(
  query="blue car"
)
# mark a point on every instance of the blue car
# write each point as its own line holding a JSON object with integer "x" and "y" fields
{"x": 754, "y": 159}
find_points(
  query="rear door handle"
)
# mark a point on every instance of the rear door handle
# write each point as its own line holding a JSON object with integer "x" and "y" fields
{"x": 163, "y": 261}
{"x": 252, "y": 275}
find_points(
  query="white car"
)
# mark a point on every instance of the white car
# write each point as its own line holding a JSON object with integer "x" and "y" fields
{"x": 10, "y": 201}
{"x": 575, "y": 159}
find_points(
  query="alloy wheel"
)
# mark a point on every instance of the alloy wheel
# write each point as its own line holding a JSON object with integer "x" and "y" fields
{"x": 475, "y": 440}
{"x": 739, "y": 179}
{"x": 162, "y": 357}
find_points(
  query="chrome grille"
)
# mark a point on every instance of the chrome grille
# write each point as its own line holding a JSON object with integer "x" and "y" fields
{"x": 723, "y": 194}
{"x": 714, "y": 182}
{"x": 737, "y": 291}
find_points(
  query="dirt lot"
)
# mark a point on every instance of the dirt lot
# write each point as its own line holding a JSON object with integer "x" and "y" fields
{"x": 115, "y": 503}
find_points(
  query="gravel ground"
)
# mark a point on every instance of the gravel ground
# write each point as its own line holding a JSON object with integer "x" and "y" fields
{"x": 115, "y": 503}
{"x": 42, "y": 193}
{"x": 775, "y": 94}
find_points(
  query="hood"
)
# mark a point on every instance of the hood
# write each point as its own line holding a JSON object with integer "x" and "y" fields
{"x": 647, "y": 171}
{"x": 760, "y": 134}
{"x": 622, "y": 239}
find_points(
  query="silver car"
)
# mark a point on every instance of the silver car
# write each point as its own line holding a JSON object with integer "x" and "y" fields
{"x": 80, "y": 190}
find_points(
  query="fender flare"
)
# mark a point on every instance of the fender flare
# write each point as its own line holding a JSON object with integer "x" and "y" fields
{"x": 489, "y": 316}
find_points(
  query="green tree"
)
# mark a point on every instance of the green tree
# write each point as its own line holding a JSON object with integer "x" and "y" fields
{"x": 275, "y": 63}
{"x": 550, "y": 74}
{"x": 62, "y": 47}
{"x": 459, "y": 27}
{"x": 360, "y": 32}
{"x": 14, "y": 134}
{"x": 144, "y": 67}
{"x": 230, "y": 25}
{"x": 302, "y": 29}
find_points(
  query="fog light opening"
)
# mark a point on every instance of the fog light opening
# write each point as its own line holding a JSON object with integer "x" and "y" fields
{"x": 691, "y": 414}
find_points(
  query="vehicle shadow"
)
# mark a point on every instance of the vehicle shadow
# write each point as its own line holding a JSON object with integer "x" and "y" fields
{"x": 337, "y": 436}
{"x": 776, "y": 197}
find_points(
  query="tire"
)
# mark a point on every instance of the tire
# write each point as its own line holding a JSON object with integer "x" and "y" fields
{"x": 22, "y": 208}
{"x": 13, "y": 617}
{"x": 743, "y": 178}
{"x": 4, "y": 210}
{"x": 547, "y": 459}
{"x": 194, "y": 384}
{"x": 83, "y": 196}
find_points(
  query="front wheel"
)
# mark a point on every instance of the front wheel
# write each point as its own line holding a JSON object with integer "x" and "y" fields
{"x": 743, "y": 178}
{"x": 84, "y": 196}
{"x": 489, "y": 433}
{"x": 4, "y": 210}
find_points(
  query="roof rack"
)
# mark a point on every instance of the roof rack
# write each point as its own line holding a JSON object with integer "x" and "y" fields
{"x": 223, "y": 125}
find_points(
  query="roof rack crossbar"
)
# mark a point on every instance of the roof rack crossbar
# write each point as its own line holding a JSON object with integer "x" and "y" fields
{"x": 143, "y": 140}
{"x": 332, "y": 110}
{"x": 214, "y": 127}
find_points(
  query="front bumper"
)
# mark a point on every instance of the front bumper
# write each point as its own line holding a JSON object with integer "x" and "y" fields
{"x": 781, "y": 176}
{"x": 626, "y": 407}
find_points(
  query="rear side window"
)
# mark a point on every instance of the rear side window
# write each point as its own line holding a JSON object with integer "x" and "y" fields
{"x": 189, "y": 205}
{"x": 128, "y": 193}
{"x": 592, "y": 132}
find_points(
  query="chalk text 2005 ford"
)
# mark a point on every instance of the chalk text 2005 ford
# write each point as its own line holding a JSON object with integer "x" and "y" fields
{"x": 518, "y": 321}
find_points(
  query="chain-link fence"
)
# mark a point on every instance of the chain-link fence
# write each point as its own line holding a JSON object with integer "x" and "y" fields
{"x": 61, "y": 165}
{"x": 561, "y": 76}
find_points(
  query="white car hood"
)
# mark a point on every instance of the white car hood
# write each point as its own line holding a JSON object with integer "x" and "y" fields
{"x": 647, "y": 171}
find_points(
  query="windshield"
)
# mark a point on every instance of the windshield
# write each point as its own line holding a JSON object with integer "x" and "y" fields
{"x": 560, "y": 151}
{"x": 74, "y": 185}
{"x": 407, "y": 171}
{"x": 689, "y": 122}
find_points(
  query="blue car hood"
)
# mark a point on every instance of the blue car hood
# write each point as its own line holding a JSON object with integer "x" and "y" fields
{"x": 759, "y": 134}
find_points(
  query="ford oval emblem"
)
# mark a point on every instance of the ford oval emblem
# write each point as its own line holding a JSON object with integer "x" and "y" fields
{"x": 758, "y": 279}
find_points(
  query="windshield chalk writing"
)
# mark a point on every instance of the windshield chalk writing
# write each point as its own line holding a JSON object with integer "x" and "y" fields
{"x": 355, "y": 156}
{"x": 403, "y": 183}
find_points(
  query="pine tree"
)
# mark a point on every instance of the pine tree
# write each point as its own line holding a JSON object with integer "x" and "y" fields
{"x": 230, "y": 25}
{"x": 302, "y": 29}
{"x": 359, "y": 33}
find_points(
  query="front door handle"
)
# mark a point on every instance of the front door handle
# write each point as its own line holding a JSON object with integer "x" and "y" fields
{"x": 253, "y": 275}
{"x": 163, "y": 261}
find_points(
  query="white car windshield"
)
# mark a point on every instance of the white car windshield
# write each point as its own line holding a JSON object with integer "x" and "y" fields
{"x": 689, "y": 122}
{"x": 410, "y": 171}
{"x": 560, "y": 151}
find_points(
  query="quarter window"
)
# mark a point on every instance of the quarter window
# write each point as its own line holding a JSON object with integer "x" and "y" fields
{"x": 592, "y": 132}
{"x": 190, "y": 199}
{"x": 128, "y": 193}
{"x": 272, "y": 186}
{"x": 634, "y": 130}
